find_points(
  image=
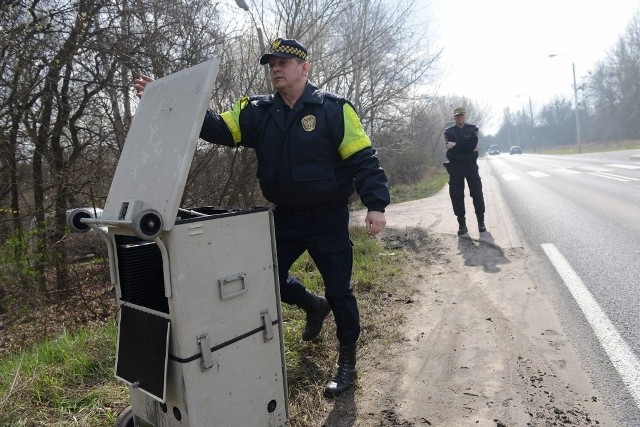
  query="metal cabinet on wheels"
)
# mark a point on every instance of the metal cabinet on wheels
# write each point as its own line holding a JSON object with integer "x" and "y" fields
{"x": 200, "y": 339}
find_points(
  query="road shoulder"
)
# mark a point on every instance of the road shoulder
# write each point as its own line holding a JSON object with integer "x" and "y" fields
{"x": 480, "y": 346}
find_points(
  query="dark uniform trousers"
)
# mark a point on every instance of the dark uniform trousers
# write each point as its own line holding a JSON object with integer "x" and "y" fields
{"x": 324, "y": 233}
{"x": 458, "y": 172}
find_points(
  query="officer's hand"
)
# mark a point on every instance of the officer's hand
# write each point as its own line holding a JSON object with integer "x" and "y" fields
{"x": 375, "y": 222}
{"x": 140, "y": 83}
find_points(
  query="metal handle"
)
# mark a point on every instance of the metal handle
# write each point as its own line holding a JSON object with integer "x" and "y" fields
{"x": 227, "y": 290}
{"x": 268, "y": 324}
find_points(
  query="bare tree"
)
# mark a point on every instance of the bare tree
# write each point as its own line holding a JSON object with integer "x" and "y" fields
{"x": 369, "y": 52}
{"x": 67, "y": 66}
{"x": 614, "y": 89}
{"x": 608, "y": 98}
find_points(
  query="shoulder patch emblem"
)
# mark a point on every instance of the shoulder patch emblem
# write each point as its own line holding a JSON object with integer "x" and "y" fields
{"x": 309, "y": 123}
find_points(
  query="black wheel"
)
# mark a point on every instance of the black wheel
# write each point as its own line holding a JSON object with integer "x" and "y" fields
{"x": 125, "y": 419}
{"x": 74, "y": 217}
{"x": 147, "y": 224}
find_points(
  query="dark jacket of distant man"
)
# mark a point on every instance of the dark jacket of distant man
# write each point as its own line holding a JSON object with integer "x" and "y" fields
{"x": 463, "y": 156}
{"x": 466, "y": 139}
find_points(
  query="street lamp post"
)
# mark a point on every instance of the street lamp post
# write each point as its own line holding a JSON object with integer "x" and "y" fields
{"x": 242, "y": 4}
{"x": 533, "y": 127}
{"x": 575, "y": 99}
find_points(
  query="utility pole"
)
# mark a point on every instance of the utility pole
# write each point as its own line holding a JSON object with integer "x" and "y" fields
{"x": 533, "y": 127}
{"x": 575, "y": 99}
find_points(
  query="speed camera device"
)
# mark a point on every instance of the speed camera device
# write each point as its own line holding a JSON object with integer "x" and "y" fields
{"x": 200, "y": 339}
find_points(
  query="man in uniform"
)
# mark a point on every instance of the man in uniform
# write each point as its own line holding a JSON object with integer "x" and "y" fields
{"x": 312, "y": 153}
{"x": 462, "y": 152}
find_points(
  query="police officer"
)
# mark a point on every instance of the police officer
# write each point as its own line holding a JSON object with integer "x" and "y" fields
{"x": 312, "y": 153}
{"x": 462, "y": 152}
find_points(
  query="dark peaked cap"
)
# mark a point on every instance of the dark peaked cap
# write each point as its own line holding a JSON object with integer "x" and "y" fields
{"x": 285, "y": 48}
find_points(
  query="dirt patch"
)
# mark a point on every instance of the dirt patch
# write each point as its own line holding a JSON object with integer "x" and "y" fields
{"x": 480, "y": 346}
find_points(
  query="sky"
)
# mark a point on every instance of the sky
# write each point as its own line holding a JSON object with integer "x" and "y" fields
{"x": 496, "y": 52}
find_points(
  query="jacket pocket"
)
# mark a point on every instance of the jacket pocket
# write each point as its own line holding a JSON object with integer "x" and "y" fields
{"x": 313, "y": 172}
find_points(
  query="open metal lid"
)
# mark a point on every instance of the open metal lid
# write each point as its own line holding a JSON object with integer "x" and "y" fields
{"x": 155, "y": 161}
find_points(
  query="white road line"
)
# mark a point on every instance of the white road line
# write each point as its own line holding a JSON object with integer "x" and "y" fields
{"x": 538, "y": 174}
{"x": 594, "y": 168}
{"x": 556, "y": 165}
{"x": 568, "y": 171}
{"x": 619, "y": 352}
{"x": 628, "y": 178}
{"x": 510, "y": 177}
{"x": 613, "y": 176}
{"x": 616, "y": 165}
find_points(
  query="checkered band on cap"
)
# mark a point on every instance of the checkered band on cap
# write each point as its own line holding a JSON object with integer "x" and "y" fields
{"x": 289, "y": 47}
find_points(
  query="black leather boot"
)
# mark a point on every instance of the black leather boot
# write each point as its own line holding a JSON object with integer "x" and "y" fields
{"x": 317, "y": 308}
{"x": 346, "y": 373}
{"x": 462, "y": 226}
{"x": 481, "y": 226}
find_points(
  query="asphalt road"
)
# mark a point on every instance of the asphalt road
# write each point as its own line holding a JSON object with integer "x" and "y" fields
{"x": 580, "y": 215}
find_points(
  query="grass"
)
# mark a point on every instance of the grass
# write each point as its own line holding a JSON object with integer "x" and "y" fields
{"x": 425, "y": 188}
{"x": 63, "y": 382}
{"x": 433, "y": 181}
{"x": 68, "y": 381}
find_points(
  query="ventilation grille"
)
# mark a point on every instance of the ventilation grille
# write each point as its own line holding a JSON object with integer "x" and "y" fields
{"x": 140, "y": 272}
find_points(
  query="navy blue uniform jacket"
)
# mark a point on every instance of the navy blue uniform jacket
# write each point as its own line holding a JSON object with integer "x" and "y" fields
{"x": 310, "y": 156}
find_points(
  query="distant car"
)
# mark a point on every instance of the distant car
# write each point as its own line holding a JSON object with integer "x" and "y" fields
{"x": 493, "y": 150}
{"x": 515, "y": 150}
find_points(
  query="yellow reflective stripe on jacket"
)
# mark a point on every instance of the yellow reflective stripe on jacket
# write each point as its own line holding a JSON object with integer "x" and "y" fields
{"x": 355, "y": 139}
{"x": 232, "y": 119}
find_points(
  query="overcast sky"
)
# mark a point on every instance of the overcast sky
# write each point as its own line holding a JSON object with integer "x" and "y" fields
{"x": 496, "y": 52}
